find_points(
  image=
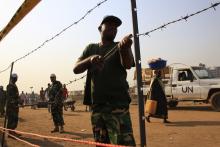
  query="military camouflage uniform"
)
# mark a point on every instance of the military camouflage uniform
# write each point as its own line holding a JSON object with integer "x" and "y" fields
{"x": 112, "y": 125}
{"x": 56, "y": 100}
{"x": 111, "y": 122}
{"x": 12, "y": 106}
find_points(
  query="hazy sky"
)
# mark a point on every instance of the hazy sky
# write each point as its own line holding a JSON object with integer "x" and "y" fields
{"x": 191, "y": 42}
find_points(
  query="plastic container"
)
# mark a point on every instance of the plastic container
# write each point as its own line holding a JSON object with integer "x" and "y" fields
{"x": 157, "y": 64}
{"x": 151, "y": 106}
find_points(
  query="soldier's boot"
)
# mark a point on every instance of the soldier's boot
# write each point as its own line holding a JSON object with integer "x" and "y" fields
{"x": 56, "y": 129}
{"x": 61, "y": 129}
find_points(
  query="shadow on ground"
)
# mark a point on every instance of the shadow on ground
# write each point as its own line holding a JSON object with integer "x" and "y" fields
{"x": 42, "y": 142}
{"x": 193, "y": 123}
{"x": 72, "y": 114}
{"x": 193, "y": 108}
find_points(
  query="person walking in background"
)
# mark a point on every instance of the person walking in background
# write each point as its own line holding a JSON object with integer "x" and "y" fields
{"x": 157, "y": 93}
{"x": 42, "y": 94}
{"x": 106, "y": 87}
{"x": 23, "y": 98}
{"x": 56, "y": 100}
{"x": 33, "y": 100}
{"x": 65, "y": 96}
{"x": 27, "y": 98}
{"x": 65, "y": 92}
{"x": 47, "y": 92}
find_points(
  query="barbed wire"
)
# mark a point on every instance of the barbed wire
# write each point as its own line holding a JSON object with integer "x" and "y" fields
{"x": 5, "y": 69}
{"x": 77, "y": 79}
{"x": 62, "y": 31}
{"x": 114, "y": 49}
{"x": 177, "y": 20}
{"x": 141, "y": 34}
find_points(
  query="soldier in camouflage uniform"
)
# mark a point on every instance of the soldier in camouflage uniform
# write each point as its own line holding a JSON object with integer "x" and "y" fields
{"x": 56, "y": 100}
{"x": 13, "y": 100}
{"x": 106, "y": 85}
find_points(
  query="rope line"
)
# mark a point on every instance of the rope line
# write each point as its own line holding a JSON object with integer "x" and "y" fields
{"x": 21, "y": 140}
{"x": 64, "y": 139}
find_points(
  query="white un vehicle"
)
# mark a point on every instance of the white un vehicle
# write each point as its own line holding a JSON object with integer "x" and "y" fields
{"x": 186, "y": 83}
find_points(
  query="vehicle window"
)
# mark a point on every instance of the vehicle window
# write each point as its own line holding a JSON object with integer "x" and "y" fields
{"x": 185, "y": 75}
{"x": 202, "y": 73}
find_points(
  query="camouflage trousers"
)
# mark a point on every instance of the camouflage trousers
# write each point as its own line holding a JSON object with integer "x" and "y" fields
{"x": 57, "y": 114}
{"x": 12, "y": 116}
{"x": 113, "y": 127}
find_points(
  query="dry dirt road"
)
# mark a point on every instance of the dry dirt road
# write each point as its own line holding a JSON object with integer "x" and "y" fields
{"x": 192, "y": 125}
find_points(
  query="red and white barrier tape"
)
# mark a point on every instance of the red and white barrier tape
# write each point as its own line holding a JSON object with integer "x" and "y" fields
{"x": 21, "y": 140}
{"x": 65, "y": 139}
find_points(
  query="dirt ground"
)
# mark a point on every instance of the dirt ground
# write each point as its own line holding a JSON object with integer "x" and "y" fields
{"x": 193, "y": 125}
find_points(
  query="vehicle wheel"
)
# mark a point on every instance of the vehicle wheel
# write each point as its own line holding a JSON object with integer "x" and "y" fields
{"x": 172, "y": 104}
{"x": 215, "y": 101}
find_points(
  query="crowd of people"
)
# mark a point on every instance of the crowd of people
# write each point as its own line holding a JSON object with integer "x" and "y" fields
{"x": 11, "y": 100}
{"x": 30, "y": 98}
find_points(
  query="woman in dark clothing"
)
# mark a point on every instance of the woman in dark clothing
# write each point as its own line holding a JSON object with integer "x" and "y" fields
{"x": 157, "y": 93}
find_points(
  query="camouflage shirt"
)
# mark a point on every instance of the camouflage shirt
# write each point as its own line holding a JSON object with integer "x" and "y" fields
{"x": 56, "y": 92}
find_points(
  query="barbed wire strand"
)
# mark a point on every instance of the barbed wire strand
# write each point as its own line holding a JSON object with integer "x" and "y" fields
{"x": 185, "y": 18}
{"x": 62, "y": 31}
{"x": 77, "y": 79}
{"x": 5, "y": 69}
{"x": 114, "y": 49}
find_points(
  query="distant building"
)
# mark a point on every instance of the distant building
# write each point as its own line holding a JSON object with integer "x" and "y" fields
{"x": 215, "y": 71}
